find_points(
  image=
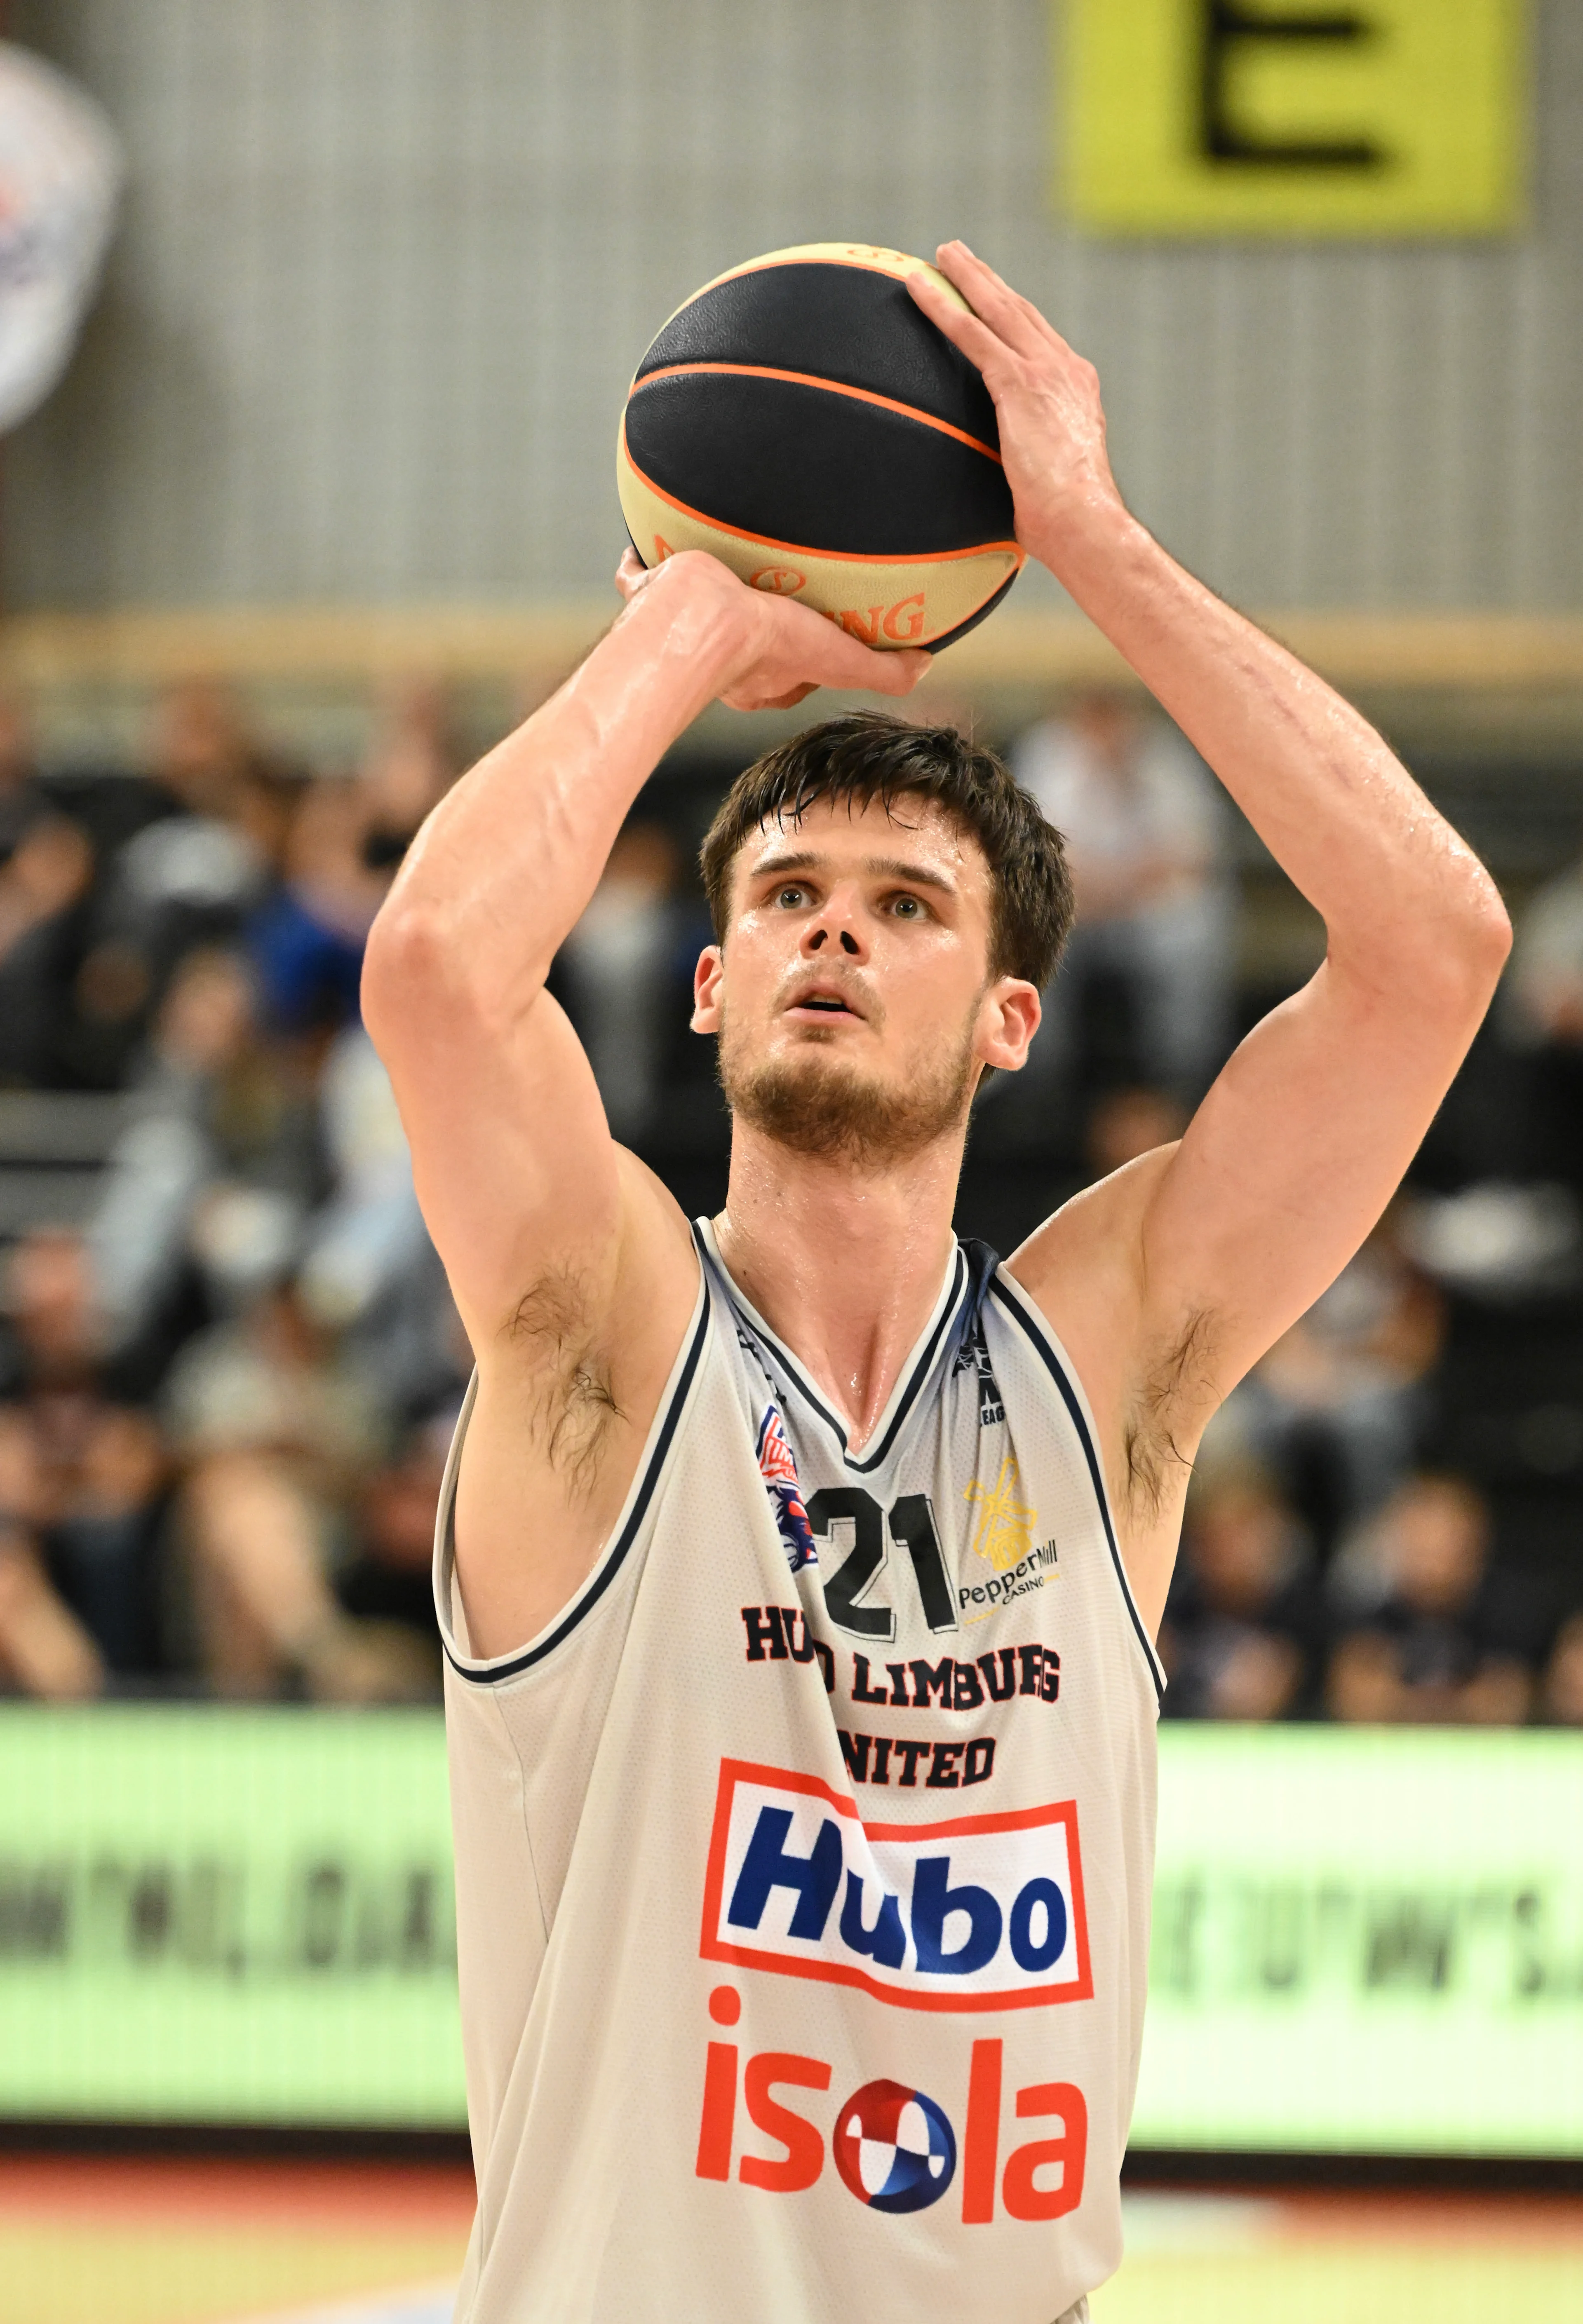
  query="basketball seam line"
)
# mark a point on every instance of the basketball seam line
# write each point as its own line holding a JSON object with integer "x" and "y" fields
{"x": 772, "y": 258}
{"x": 827, "y": 387}
{"x": 836, "y": 556}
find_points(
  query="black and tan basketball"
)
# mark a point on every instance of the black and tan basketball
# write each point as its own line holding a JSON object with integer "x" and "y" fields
{"x": 802, "y": 420}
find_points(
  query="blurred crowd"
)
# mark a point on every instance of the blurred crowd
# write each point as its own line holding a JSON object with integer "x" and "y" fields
{"x": 228, "y": 1384}
{"x": 227, "y": 1390}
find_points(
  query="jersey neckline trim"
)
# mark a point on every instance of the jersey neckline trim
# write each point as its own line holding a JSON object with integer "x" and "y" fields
{"x": 1011, "y": 1296}
{"x": 651, "y": 1467}
{"x": 909, "y": 1381}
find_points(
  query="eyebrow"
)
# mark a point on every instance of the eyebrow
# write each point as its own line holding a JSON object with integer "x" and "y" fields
{"x": 895, "y": 867}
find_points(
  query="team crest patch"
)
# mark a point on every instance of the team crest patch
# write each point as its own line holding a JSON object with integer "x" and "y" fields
{"x": 779, "y": 1471}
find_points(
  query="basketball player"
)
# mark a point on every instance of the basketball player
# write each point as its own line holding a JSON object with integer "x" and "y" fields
{"x": 800, "y": 1570}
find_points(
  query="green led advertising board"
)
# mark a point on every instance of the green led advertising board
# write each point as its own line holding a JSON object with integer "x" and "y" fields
{"x": 227, "y": 1916}
{"x": 1364, "y": 1942}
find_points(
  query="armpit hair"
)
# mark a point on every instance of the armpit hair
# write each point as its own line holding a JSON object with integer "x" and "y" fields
{"x": 1176, "y": 1391}
{"x": 571, "y": 1401}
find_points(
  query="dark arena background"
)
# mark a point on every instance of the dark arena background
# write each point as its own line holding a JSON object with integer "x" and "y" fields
{"x": 316, "y": 321}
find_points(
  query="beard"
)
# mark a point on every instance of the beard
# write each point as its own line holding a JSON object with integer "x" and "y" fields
{"x": 819, "y": 1106}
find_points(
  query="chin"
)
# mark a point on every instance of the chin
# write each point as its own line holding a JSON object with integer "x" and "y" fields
{"x": 822, "y": 1105}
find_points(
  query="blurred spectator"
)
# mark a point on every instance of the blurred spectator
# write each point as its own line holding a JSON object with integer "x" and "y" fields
{"x": 409, "y": 767}
{"x": 346, "y": 839}
{"x": 82, "y": 1479}
{"x": 1144, "y": 829}
{"x": 44, "y": 883}
{"x": 369, "y": 1271}
{"x": 1560, "y": 1699}
{"x": 615, "y": 965}
{"x": 1127, "y": 1123}
{"x": 221, "y": 1163}
{"x": 389, "y": 1578}
{"x": 1340, "y": 1407}
{"x": 1544, "y": 1012}
{"x": 278, "y": 1438}
{"x": 218, "y": 812}
{"x": 307, "y": 939}
{"x": 21, "y": 799}
{"x": 1434, "y": 1633}
{"x": 1243, "y": 1633}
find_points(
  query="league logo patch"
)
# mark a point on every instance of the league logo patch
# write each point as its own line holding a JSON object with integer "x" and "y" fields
{"x": 779, "y": 1471}
{"x": 974, "y": 1355}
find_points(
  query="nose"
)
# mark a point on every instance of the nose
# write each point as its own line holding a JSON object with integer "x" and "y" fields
{"x": 837, "y": 927}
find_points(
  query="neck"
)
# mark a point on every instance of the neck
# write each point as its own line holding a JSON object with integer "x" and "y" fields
{"x": 844, "y": 1264}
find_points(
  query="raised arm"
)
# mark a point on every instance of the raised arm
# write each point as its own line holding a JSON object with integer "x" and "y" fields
{"x": 570, "y": 1265}
{"x": 1171, "y": 1279}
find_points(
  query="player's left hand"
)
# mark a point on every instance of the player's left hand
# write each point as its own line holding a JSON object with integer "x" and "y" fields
{"x": 1046, "y": 399}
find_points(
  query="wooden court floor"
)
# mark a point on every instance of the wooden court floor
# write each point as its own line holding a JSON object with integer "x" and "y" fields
{"x": 93, "y": 2242}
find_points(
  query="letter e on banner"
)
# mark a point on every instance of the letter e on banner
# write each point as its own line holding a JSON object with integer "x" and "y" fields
{"x": 1294, "y": 117}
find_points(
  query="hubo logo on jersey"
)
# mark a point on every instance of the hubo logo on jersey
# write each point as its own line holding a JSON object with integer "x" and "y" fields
{"x": 895, "y": 2148}
{"x": 981, "y": 1911}
{"x": 779, "y": 1471}
{"x": 1004, "y": 1527}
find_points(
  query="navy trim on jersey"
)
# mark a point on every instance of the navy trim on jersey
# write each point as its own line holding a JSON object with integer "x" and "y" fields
{"x": 877, "y": 1453}
{"x": 610, "y": 1564}
{"x": 1070, "y": 1397}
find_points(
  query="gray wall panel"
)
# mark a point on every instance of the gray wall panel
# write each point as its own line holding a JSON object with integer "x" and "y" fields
{"x": 386, "y": 265}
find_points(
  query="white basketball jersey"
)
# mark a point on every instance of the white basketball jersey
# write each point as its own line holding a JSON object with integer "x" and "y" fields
{"x": 803, "y": 1862}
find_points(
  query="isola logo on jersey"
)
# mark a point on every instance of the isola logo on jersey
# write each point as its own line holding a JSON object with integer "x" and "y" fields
{"x": 895, "y": 2147}
{"x": 968, "y": 1912}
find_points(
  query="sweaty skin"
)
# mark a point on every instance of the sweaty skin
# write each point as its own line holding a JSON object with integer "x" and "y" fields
{"x": 858, "y": 947}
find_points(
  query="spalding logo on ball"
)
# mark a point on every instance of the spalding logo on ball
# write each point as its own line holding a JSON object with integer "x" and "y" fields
{"x": 804, "y": 421}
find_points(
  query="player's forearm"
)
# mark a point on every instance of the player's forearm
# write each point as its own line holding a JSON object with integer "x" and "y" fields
{"x": 1336, "y": 807}
{"x": 505, "y": 864}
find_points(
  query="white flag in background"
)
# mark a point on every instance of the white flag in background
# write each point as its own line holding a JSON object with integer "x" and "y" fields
{"x": 60, "y": 173}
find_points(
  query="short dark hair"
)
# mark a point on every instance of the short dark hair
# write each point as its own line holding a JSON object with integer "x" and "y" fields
{"x": 871, "y": 754}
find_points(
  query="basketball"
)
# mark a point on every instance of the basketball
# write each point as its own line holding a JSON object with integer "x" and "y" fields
{"x": 802, "y": 420}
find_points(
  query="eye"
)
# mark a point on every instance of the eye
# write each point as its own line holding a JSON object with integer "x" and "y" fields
{"x": 791, "y": 897}
{"x": 907, "y": 907}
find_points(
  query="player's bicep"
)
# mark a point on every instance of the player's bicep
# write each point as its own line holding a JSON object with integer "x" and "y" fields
{"x": 1289, "y": 1162}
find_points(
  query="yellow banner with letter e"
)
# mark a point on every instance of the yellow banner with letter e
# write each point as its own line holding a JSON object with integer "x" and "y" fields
{"x": 1293, "y": 117}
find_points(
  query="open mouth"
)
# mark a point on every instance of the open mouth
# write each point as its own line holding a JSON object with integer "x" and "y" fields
{"x": 823, "y": 1000}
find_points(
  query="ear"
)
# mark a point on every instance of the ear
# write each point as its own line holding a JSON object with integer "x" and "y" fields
{"x": 706, "y": 980}
{"x": 1008, "y": 1020}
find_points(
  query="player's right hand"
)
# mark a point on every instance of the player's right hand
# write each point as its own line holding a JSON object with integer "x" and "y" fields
{"x": 1046, "y": 400}
{"x": 777, "y": 651}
